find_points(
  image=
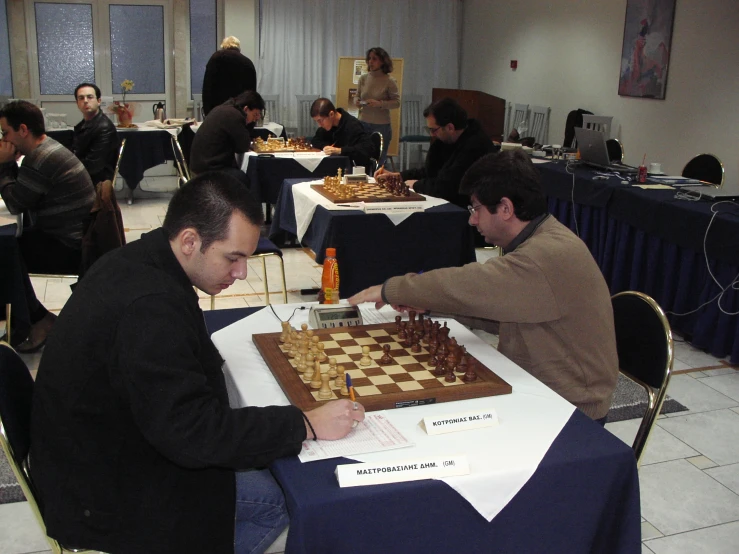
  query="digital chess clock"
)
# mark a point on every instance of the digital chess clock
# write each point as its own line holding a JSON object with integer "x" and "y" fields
{"x": 326, "y": 316}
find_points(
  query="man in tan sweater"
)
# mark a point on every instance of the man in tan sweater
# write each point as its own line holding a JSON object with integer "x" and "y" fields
{"x": 545, "y": 296}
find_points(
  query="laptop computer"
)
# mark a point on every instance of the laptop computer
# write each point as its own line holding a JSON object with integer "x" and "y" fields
{"x": 710, "y": 193}
{"x": 594, "y": 152}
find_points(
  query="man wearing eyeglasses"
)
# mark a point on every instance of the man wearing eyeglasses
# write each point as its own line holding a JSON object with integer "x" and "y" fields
{"x": 459, "y": 143}
{"x": 545, "y": 295}
{"x": 95, "y": 137}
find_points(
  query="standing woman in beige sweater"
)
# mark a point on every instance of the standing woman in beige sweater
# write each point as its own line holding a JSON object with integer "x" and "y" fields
{"x": 377, "y": 94}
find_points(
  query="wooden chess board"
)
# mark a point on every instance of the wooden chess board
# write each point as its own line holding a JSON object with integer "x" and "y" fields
{"x": 367, "y": 192}
{"x": 406, "y": 382}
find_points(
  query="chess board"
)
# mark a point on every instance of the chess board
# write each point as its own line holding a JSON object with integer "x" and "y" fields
{"x": 367, "y": 192}
{"x": 406, "y": 382}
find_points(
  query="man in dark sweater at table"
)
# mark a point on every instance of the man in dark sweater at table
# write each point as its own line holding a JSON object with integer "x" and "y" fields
{"x": 53, "y": 188}
{"x": 459, "y": 143}
{"x": 134, "y": 446}
{"x": 226, "y": 133}
{"x": 339, "y": 132}
{"x": 95, "y": 137}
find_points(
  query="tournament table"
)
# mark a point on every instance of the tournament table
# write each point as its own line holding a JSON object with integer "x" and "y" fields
{"x": 370, "y": 248}
{"x": 582, "y": 498}
{"x": 650, "y": 241}
{"x": 146, "y": 147}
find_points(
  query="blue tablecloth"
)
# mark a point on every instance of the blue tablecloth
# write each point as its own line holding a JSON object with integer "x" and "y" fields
{"x": 144, "y": 150}
{"x": 370, "y": 248}
{"x": 647, "y": 240}
{"x": 583, "y": 498}
{"x": 267, "y": 174}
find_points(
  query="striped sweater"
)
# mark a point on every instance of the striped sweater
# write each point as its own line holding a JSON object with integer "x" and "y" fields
{"x": 54, "y": 187}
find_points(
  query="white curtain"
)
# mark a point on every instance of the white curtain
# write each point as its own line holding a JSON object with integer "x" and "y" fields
{"x": 302, "y": 40}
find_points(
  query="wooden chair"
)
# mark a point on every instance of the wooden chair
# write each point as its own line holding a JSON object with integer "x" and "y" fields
{"x": 705, "y": 167}
{"x": 412, "y": 127}
{"x": 601, "y": 123}
{"x": 539, "y": 124}
{"x": 306, "y": 126}
{"x": 16, "y": 394}
{"x": 645, "y": 353}
{"x": 272, "y": 107}
{"x": 519, "y": 118}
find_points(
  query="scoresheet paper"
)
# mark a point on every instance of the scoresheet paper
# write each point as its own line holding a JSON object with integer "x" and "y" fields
{"x": 374, "y": 434}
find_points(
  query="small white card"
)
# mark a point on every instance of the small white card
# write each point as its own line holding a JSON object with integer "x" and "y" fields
{"x": 450, "y": 423}
{"x": 356, "y": 475}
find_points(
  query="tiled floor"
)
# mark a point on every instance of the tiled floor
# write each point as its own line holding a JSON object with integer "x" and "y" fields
{"x": 689, "y": 475}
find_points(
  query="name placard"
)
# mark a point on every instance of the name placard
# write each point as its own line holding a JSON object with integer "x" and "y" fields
{"x": 436, "y": 425}
{"x": 356, "y": 475}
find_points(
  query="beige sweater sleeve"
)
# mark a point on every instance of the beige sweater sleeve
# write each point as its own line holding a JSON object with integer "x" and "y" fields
{"x": 509, "y": 288}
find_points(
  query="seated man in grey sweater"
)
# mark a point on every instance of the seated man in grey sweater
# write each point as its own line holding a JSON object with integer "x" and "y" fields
{"x": 545, "y": 296}
{"x": 54, "y": 189}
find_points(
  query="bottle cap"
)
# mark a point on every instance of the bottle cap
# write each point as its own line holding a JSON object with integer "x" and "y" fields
{"x": 331, "y": 252}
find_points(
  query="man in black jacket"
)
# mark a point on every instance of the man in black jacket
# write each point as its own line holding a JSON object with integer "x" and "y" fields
{"x": 339, "y": 132}
{"x": 95, "y": 137}
{"x": 228, "y": 73}
{"x": 459, "y": 143}
{"x": 134, "y": 447}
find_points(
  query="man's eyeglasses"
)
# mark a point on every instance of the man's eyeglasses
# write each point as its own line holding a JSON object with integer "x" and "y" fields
{"x": 433, "y": 130}
{"x": 473, "y": 209}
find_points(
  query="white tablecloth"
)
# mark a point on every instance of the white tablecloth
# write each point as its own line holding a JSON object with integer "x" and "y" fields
{"x": 502, "y": 459}
{"x": 309, "y": 160}
{"x": 306, "y": 199}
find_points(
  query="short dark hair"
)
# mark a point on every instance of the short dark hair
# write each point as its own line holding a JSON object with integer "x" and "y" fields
{"x": 509, "y": 174}
{"x": 91, "y": 85}
{"x": 387, "y": 63}
{"x": 23, "y": 112}
{"x": 206, "y": 204}
{"x": 322, "y": 107}
{"x": 446, "y": 111}
{"x": 249, "y": 99}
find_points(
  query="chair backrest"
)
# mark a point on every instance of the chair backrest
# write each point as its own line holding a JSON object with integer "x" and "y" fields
{"x": 601, "y": 123}
{"x": 378, "y": 142}
{"x": 645, "y": 353}
{"x": 539, "y": 124}
{"x": 412, "y": 122}
{"x": 306, "y": 126}
{"x": 118, "y": 162}
{"x": 615, "y": 150}
{"x": 272, "y": 108}
{"x": 197, "y": 107}
{"x": 705, "y": 167}
{"x": 519, "y": 119}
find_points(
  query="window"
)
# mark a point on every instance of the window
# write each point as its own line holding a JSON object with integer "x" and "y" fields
{"x": 6, "y": 81}
{"x": 203, "y": 40}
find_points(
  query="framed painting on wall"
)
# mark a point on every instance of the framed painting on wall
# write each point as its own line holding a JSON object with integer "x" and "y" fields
{"x": 645, "y": 54}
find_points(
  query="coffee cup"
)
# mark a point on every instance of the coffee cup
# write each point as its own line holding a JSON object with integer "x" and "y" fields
{"x": 655, "y": 167}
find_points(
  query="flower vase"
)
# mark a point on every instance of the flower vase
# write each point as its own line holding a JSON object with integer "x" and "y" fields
{"x": 124, "y": 117}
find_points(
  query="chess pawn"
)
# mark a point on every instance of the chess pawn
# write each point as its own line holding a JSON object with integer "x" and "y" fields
{"x": 321, "y": 354}
{"x": 470, "y": 375}
{"x": 386, "y": 359}
{"x": 449, "y": 377}
{"x": 283, "y": 335}
{"x": 314, "y": 345}
{"x": 365, "y": 360}
{"x": 402, "y": 335}
{"x": 462, "y": 365}
{"x": 340, "y": 376}
{"x": 315, "y": 382}
{"x": 332, "y": 373}
{"x": 325, "y": 391}
{"x": 344, "y": 389}
{"x": 309, "y": 358}
{"x": 309, "y": 333}
{"x": 433, "y": 347}
{"x": 301, "y": 364}
{"x": 304, "y": 327}
{"x": 308, "y": 375}
{"x": 397, "y": 323}
{"x": 415, "y": 345}
{"x": 412, "y": 319}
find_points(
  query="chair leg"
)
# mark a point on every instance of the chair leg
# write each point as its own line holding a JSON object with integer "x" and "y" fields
{"x": 284, "y": 283}
{"x": 212, "y": 301}
{"x": 266, "y": 283}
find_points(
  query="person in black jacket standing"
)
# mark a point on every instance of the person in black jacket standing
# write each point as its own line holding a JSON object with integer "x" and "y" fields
{"x": 459, "y": 143}
{"x": 228, "y": 73}
{"x": 134, "y": 446}
{"x": 339, "y": 132}
{"x": 95, "y": 137}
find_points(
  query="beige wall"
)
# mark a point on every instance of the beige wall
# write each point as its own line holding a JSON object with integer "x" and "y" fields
{"x": 569, "y": 55}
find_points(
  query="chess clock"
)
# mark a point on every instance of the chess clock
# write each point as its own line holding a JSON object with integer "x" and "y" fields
{"x": 327, "y": 316}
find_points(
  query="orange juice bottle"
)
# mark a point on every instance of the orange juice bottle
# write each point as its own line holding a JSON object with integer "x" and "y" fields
{"x": 330, "y": 278}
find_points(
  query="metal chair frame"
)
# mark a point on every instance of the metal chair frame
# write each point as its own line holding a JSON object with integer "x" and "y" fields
{"x": 411, "y": 127}
{"x": 20, "y": 466}
{"x": 264, "y": 257}
{"x": 702, "y": 177}
{"x": 180, "y": 162}
{"x": 197, "y": 107}
{"x": 371, "y": 171}
{"x": 655, "y": 391}
{"x": 118, "y": 161}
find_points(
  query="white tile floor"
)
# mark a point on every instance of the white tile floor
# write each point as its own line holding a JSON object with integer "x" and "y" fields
{"x": 689, "y": 475}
